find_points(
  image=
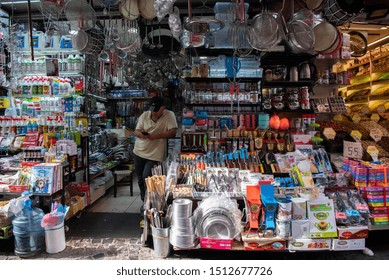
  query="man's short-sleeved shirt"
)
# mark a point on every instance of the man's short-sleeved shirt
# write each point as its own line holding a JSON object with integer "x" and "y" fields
{"x": 154, "y": 150}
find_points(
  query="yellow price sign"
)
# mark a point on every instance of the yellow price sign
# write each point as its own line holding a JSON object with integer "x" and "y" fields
{"x": 356, "y": 135}
{"x": 373, "y": 152}
{"x": 338, "y": 118}
{"x": 376, "y": 134}
{"x": 356, "y": 118}
{"x": 375, "y": 117}
{"x": 329, "y": 133}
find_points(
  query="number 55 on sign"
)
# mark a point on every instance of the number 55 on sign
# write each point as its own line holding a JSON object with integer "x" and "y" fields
{"x": 352, "y": 150}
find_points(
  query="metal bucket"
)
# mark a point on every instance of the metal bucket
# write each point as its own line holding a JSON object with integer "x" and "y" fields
{"x": 160, "y": 241}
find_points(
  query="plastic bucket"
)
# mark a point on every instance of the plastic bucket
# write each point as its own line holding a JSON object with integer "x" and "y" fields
{"x": 55, "y": 238}
{"x": 161, "y": 242}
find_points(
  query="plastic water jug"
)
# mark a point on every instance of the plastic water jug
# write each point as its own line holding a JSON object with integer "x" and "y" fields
{"x": 23, "y": 41}
{"x": 28, "y": 232}
{"x": 38, "y": 40}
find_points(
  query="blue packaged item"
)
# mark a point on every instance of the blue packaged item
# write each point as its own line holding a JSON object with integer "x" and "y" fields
{"x": 201, "y": 114}
{"x": 187, "y": 121}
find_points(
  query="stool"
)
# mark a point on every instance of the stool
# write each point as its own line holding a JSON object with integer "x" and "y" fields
{"x": 123, "y": 174}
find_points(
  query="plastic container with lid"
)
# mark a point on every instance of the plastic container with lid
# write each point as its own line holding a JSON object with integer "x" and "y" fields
{"x": 28, "y": 232}
{"x": 204, "y": 68}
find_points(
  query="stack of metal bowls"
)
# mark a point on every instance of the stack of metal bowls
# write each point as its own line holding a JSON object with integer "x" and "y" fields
{"x": 182, "y": 232}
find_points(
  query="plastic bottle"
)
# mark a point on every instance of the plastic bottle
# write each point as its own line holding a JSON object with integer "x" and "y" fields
{"x": 46, "y": 86}
{"x": 55, "y": 87}
{"x": 61, "y": 86}
{"x": 29, "y": 234}
{"x": 77, "y": 63}
{"x": 34, "y": 126}
{"x": 40, "y": 85}
{"x": 70, "y": 61}
{"x": 67, "y": 86}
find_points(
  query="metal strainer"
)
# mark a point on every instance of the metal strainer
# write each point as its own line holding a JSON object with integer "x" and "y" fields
{"x": 264, "y": 32}
{"x": 80, "y": 14}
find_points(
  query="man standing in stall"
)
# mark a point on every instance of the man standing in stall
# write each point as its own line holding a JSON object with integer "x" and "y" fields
{"x": 153, "y": 129}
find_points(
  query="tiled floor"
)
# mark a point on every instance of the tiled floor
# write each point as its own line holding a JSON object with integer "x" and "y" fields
{"x": 122, "y": 203}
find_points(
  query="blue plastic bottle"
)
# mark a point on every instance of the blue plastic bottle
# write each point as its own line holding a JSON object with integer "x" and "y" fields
{"x": 28, "y": 232}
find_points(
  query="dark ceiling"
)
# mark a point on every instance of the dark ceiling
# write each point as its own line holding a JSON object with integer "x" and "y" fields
{"x": 376, "y": 27}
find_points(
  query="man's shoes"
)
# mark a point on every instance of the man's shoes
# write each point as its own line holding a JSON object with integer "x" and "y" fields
{"x": 142, "y": 224}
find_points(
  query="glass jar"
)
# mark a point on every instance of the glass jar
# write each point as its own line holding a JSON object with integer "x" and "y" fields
{"x": 196, "y": 69}
{"x": 204, "y": 68}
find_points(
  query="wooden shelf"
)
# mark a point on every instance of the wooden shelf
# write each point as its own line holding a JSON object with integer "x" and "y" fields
{"x": 222, "y": 104}
{"x": 130, "y": 98}
{"x": 223, "y": 80}
{"x": 266, "y": 84}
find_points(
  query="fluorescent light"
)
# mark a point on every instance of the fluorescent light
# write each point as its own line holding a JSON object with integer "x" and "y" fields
{"x": 383, "y": 27}
{"x": 377, "y": 41}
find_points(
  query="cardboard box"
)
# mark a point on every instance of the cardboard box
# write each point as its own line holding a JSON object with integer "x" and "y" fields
{"x": 218, "y": 244}
{"x": 300, "y": 229}
{"x": 321, "y": 216}
{"x": 254, "y": 241}
{"x": 306, "y": 244}
{"x": 265, "y": 245}
{"x": 347, "y": 245}
{"x": 6, "y": 232}
{"x": 353, "y": 232}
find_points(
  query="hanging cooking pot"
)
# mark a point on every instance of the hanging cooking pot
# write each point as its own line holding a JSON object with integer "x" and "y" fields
{"x": 342, "y": 12}
{"x": 313, "y": 5}
{"x": 129, "y": 9}
{"x": 326, "y": 36}
{"x": 307, "y": 71}
{"x": 358, "y": 44}
{"x": 146, "y": 9}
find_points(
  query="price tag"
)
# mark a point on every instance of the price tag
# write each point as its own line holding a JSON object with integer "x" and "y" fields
{"x": 381, "y": 109}
{"x": 356, "y": 135}
{"x": 375, "y": 117}
{"x": 329, "y": 133}
{"x": 356, "y": 118}
{"x": 338, "y": 118}
{"x": 373, "y": 151}
{"x": 352, "y": 150}
{"x": 376, "y": 134}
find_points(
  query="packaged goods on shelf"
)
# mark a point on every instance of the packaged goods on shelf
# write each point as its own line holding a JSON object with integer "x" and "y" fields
{"x": 303, "y": 244}
{"x": 46, "y": 178}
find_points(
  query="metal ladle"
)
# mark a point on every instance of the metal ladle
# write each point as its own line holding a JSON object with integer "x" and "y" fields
{"x": 152, "y": 46}
{"x": 159, "y": 46}
{"x": 146, "y": 41}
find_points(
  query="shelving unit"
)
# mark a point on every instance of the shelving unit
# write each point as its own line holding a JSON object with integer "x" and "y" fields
{"x": 370, "y": 81}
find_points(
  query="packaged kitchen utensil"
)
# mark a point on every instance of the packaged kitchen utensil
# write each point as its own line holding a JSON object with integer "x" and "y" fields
{"x": 218, "y": 217}
{"x": 321, "y": 215}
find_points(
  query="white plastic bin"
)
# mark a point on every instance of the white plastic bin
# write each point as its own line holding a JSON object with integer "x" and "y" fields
{"x": 55, "y": 238}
